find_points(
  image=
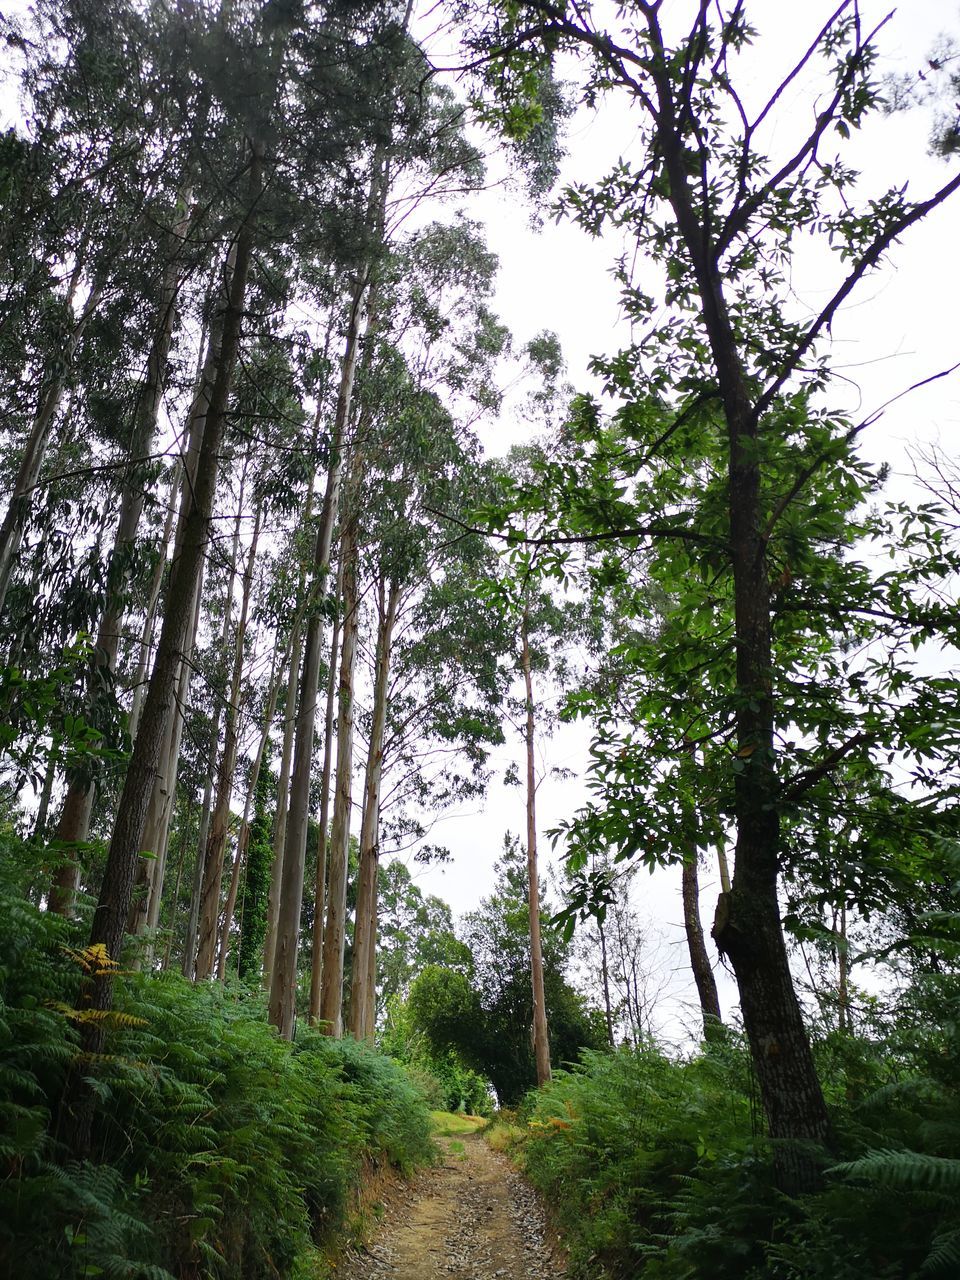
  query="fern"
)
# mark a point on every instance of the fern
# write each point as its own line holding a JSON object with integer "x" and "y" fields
{"x": 908, "y": 1169}
{"x": 944, "y": 1256}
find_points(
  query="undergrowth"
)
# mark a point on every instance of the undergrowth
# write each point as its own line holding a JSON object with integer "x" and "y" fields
{"x": 658, "y": 1169}
{"x": 219, "y": 1151}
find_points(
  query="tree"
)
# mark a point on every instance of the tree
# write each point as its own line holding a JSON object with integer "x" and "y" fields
{"x": 733, "y": 379}
{"x": 487, "y": 1014}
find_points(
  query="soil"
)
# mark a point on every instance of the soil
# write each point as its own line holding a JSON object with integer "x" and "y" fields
{"x": 472, "y": 1216}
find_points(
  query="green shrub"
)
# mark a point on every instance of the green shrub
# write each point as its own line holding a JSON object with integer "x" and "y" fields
{"x": 219, "y": 1149}
{"x": 657, "y": 1169}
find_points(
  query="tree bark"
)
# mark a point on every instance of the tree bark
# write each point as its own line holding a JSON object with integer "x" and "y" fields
{"x": 363, "y": 978}
{"x": 106, "y": 934}
{"x": 541, "y": 1040}
{"x": 699, "y": 960}
{"x": 220, "y": 818}
{"x": 320, "y": 873}
{"x": 335, "y": 934}
{"x": 283, "y": 978}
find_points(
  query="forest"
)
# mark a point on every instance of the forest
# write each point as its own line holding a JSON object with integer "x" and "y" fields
{"x": 311, "y": 555}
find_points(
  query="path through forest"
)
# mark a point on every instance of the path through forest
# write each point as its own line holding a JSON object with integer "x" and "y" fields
{"x": 471, "y": 1216}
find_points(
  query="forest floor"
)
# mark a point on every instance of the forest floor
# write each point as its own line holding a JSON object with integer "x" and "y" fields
{"x": 472, "y": 1215}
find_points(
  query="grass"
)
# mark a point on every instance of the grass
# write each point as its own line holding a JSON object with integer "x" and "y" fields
{"x": 504, "y": 1134}
{"x": 450, "y": 1124}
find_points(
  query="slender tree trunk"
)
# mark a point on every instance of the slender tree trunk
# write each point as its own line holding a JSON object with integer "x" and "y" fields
{"x": 747, "y": 927}
{"x": 184, "y": 841}
{"x": 335, "y": 934}
{"x": 243, "y": 837}
{"x": 283, "y": 796}
{"x": 843, "y": 973}
{"x": 139, "y": 682}
{"x": 220, "y": 818}
{"x": 34, "y": 449}
{"x": 605, "y": 979}
{"x": 286, "y": 752}
{"x": 163, "y": 795}
{"x": 541, "y": 1041}
{"x": 362, "y": 993}
{"x": 724, "y": 868}
{"x": 283, "y": 979}
{"x": 690, "y": 893}
{"x": 699, "y": 960}
{"x": 73, "y": 827}
{"x": 159, "y": 705}
{"x": 75, "y": 822}
{"x": 46, "y": 790}
{"x": 189, "y": 966}
{"x": 320, "y": 874}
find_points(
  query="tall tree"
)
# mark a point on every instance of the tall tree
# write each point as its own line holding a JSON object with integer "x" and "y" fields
{"x": 720, "y": 219}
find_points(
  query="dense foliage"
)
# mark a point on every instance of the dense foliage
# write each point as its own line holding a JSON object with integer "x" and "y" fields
{"x": 659, "y": 1168}
{"x": 221, "y": 1150}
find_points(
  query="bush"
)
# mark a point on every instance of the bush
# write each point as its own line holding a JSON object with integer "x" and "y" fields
{"x": 657, "y": 1169}
{"x": 220, "y": 1150}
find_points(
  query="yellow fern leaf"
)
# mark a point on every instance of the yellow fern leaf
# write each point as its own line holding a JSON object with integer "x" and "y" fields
{"x": 95, "y": 959}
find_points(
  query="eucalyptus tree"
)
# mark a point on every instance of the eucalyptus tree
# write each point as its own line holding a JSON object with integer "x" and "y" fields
{"x": 418, "y": 459}
{"x": 730, "y": 376}
{"x": 418, "y": 139}
{"x": 111, "y": 135}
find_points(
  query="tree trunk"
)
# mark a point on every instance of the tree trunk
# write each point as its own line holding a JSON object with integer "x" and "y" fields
{"x": 724, "y": 868}
{"x": 747, "y": 926}
{"x": 605, "y": 980}
{"x": 363, "y": 980}
{"x": 335, "y": 934}
{"x": 75, "y": 820}
{"x": 106, "y": 934}
{"x": 46, "y": 790}
{"x": 320, "y": 874}
{"x": 163, "y": 794}
{"x": 220, "y": 818}
{"x": 699, "y": 960}
{"x": 843, "y": 973}
{"x": 283, "y": 796}
{"x": 139, "y": 682}
{"x": 31, "y": 460}
{"x": 243, "y": 836}
{"x": 184, "y": 841}
{"x": 189, "y": 966}
{"x": 541, "y": 1041}
{"x": 693, "y": 928}
{"x": 283, "y": 979}
{"x": 286, "y": 755}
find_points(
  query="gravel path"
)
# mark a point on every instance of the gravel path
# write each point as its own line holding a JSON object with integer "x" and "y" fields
{"x": 471, "y": 1216}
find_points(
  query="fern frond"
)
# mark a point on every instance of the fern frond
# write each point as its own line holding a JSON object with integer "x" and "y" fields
{"x": 944, "y": 1256}
{"x": 909, "y": 1169}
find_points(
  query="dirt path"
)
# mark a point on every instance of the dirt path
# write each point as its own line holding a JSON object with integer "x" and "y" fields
{"x": 472, "y": 1216}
